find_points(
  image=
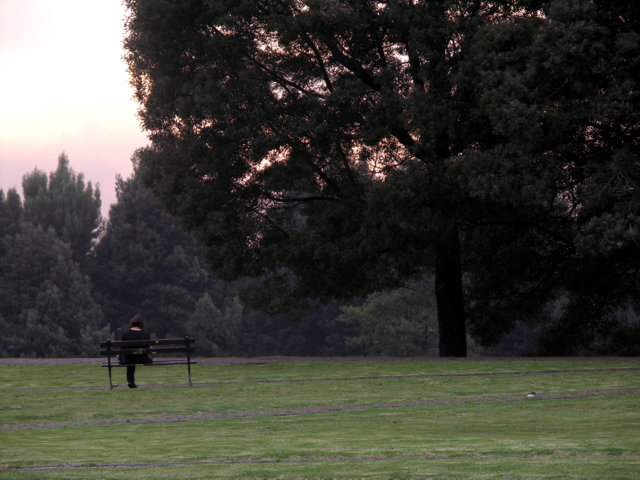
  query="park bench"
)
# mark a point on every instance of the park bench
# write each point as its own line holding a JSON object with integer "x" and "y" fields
{"x": 151, "y": 348}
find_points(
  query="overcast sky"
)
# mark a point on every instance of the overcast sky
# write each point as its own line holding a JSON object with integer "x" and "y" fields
{"x": 64, "y": 88}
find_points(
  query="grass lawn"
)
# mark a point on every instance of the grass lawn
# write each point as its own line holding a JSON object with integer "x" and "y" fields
{"x": 419, "y": 419}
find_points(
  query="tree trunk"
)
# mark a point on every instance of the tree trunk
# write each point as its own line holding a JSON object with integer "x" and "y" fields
{"x": 449, "y": 296}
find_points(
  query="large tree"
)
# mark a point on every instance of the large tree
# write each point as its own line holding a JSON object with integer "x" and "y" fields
{"x": 46, "y": 303}
{"x": 341, "y": 147}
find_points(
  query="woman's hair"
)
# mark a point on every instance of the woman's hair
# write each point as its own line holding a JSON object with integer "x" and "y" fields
{"x": 137, "y": 321}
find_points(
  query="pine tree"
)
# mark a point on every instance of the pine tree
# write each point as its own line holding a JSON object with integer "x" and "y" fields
{"x": 46, "y": 304}
{"x": 66, "y": 203}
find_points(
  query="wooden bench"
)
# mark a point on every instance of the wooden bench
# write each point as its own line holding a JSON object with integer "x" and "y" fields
{"x": 151, "y": 348}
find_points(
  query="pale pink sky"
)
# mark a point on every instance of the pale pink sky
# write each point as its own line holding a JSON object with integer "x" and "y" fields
{"x": 64, "y": 87}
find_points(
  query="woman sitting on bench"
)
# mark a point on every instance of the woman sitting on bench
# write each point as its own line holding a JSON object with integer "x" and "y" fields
{"x": 136, "y": 331}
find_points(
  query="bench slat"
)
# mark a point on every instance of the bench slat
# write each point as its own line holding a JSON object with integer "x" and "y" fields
{"x": 155, "y": 362}
{"x": 145, "y": 350}
{"x": 152, "y": 341}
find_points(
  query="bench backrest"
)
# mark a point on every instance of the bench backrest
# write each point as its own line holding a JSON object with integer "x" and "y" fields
{"x": 153, "y": 346}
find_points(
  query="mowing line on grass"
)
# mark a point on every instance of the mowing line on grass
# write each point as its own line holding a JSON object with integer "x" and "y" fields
{"x": 240, "y": 461}
{"x": 346, "y": 379}
{"x": 427, "y": 375}
{"x": 258, "y": 461}
{"x": 314, "y": 410}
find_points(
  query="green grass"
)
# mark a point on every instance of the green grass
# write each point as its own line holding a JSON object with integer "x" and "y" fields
{"x": 370, "y": 419}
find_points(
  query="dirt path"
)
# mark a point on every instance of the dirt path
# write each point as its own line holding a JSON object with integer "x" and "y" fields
{"x": 258, "y": 461}
{"x": 343, "y": 379}
{"x": 241, "y": 461}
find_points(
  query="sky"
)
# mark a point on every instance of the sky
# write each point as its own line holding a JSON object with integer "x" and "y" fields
{"x": 64, "y": 88}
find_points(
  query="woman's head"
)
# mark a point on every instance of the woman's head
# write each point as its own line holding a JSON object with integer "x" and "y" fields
{"x": 137, "y": 321}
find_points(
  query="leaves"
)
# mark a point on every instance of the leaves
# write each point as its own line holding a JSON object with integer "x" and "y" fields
{"x": 342, "y": 141}
{"x": 47, "y": 305}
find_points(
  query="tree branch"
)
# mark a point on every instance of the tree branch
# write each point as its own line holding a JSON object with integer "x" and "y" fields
{"x": 351, "y": 65}
{"x": 283, "y": 81}
{"x": 320, "y": 61}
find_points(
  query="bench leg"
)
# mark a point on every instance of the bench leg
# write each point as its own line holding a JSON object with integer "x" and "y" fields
{"x": 109, "y": 362}
{"x": 186, "y": 344}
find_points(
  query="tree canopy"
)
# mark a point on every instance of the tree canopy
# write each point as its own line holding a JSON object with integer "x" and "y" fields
{"x": 341, "y": 147}
{"x": 64, "y": 202}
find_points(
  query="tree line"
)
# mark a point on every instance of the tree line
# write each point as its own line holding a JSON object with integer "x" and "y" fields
{"x": 69, "y": 279}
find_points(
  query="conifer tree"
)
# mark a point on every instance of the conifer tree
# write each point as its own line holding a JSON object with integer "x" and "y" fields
{"x": 66, "y": 203}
